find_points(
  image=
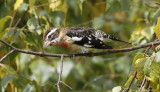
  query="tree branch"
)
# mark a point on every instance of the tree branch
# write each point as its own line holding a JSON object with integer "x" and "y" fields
{"x": 82, "y": 54}
{"x": 5, "y": 56}
{"x": 127, "y": 90}
{"x": 60, "y": 74}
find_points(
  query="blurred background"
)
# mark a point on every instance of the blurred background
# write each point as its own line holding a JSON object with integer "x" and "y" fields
{"x": 23, "y": 23}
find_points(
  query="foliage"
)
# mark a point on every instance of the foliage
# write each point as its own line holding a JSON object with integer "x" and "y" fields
{"x": 23, "y": 22}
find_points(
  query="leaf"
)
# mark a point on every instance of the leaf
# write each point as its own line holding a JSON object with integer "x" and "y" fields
{"x": 158, "y": 55}
{"x": 147, "y": 66}
{"x": 30, "y": 39}
{"x": 128, "y": 81}
{"x": 125, "y": 4}
{"x": 157, "y": 28}
{"x": 135, "y": 59}
{"x": 29, "y": 88}
{"x": 41, "y": 70}
{"x": 17, "y": 4}
{"x": 80, "y": 4}
{"x": 32, "y": 23}
{"x": 98, "y": 22}
{"x": 54, "y": 4}
{"x": 31, "y": 5}
{"x": 117, "y": 89}
{"x": 3, "y": 21}
{"x": 57, "y": 17}
{"x": 116, "y": 6}
{"x": 6, "y": 79}
{"x": 157, "y": 48}
{"x": 155, "y": 72}
{"x": 8, "y": 34}
{"x": 138, "y": 63}
{"x": 16, "y": 35}
{"x": 58, "y": 5}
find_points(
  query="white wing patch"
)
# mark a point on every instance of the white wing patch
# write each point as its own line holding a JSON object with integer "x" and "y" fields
{"x": 89, "y": 46}
{"x": 77, "y": 38}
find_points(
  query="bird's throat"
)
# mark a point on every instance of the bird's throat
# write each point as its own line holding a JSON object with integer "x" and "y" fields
{"x": 63, "y": 44}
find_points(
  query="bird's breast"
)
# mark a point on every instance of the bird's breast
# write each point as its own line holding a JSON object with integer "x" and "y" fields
{"x": 63, "y": 44}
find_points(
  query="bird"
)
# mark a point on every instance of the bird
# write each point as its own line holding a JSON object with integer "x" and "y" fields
{"x": 78, "y": 38}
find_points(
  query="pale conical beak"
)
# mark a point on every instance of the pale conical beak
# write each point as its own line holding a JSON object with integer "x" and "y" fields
{"x": 46, "y": 44}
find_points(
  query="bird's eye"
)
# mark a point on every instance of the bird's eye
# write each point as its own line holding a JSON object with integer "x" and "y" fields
{"x": 49, "y": 36}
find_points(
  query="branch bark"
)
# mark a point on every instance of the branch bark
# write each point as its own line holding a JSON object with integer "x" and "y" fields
{"x": 5, "y": 56}
{"x": 60, "y": 74}
{"x": 127, "y": 90}
{"x": 112, "y": 51}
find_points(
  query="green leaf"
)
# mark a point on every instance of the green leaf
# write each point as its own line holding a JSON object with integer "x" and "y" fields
{"x": 155, "y": 72}
{"x": 8, "y": 34}
{"x": 57, "y": 17}
{"x": 138, "y": 59}
{"x": 29, "y": 88}
{"x": 42, "y": 71}
{"x": 128, "y": 81}
{"x": 6, "y": 79}
{"x": 16, "y": 35}
{"x": 138, "y": 63}
{"x": 98, "y": 22}
{"x": 125, "y": 4}
{"x": 3, "y": 21}
{"x": 158, "y": 56}
{"x": 32, "y": 23}
{"x": 147, "y": 66}
{"x": 17, "y": 4}
{"x": 117, "y": 89}
{"x": 80, "y": 4}
{"x": 30, "y": 39}
{"x": 115, "y": 6}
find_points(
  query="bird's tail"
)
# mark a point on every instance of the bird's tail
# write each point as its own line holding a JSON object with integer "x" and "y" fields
{"x": 114, "y": 38}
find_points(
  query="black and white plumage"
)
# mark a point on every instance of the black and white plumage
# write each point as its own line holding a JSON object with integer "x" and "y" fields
{"x": 79, "y": 36}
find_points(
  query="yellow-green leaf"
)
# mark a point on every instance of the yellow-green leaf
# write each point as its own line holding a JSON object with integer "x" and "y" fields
{"x": 55, "y": 3}
{"x": 17, "y": 4}
{"x": 3, "y": 21}
{"x": 58, "y": 5}
{"x": 31, "y": 5}
{"x": 136, "y": 57}
{"x": 138, "y": 64}
{"x": 157, "y": 29}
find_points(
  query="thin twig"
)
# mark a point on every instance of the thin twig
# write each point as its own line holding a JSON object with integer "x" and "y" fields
{"x": 155, "y": 7}
{"x": 5, "y": 56}
{"x": 148, "y": 48}
{"x": 100, "y": 77}
{"x": 82, "y": 54}
{"x": 60, "y": 74}
{"x": 66, "y": 84}
{"x": 21, "y": 18}
{"x": 46, "y": 4}
{"x": 127, "y": 90}
{"x": 142, "y": 84}
{"x": 14, "y": 13}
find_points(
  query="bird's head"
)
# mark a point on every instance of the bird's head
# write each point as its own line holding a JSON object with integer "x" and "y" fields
{"x": 51, "y": 37}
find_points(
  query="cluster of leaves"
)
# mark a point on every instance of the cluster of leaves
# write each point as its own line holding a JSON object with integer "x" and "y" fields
{"x": 23, "y": 22}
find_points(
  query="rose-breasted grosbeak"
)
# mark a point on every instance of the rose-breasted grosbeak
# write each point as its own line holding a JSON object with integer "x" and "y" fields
{"x": 78, "y": 38}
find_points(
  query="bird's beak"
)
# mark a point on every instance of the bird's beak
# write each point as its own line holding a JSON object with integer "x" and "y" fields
{"x": 46, "y": 44}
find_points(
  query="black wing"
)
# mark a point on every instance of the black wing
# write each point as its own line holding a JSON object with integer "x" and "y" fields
{"x": 86, "y": 38}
